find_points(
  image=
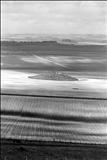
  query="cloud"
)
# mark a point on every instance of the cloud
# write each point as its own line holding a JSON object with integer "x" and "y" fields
{"x": 53, "y": 17}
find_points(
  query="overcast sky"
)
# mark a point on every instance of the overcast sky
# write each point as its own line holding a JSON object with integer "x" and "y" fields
{"x": 80, "y": 17}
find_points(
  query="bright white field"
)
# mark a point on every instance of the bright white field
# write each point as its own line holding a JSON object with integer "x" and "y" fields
{"x": 16, "y": 80}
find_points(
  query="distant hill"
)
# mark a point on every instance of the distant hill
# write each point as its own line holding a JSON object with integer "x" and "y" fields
{"x": 62, "y": 39}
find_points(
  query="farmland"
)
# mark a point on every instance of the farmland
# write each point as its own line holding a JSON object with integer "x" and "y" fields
{"x": 50, "y": 119}
{"x": 54, "y": 101}
{"x": 53, "y": 128}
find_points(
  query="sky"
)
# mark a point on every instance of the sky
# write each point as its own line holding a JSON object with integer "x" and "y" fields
{"x": 54, "y": 17}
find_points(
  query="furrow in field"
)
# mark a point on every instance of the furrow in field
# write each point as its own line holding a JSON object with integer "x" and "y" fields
{"x": 38, "y": 130}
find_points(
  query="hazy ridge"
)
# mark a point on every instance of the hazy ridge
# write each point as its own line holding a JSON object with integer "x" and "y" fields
{"x": 60, "y": 39}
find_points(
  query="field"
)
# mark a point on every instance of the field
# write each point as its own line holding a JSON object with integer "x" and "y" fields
{"x": 21, "y": 82}
{"x": 54, "y": 56}
{"x": 54, "y": 101}
{"x": 54, "y": 119}
{"x": 50, "y": 68}
{"x": 53, "y": 128}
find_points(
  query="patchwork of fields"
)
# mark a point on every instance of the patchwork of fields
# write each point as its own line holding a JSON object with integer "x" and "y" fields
{"x": 54, "y": 101}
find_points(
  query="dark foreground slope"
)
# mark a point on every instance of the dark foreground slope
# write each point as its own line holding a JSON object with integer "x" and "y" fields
{"x": 15, "y": 150}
